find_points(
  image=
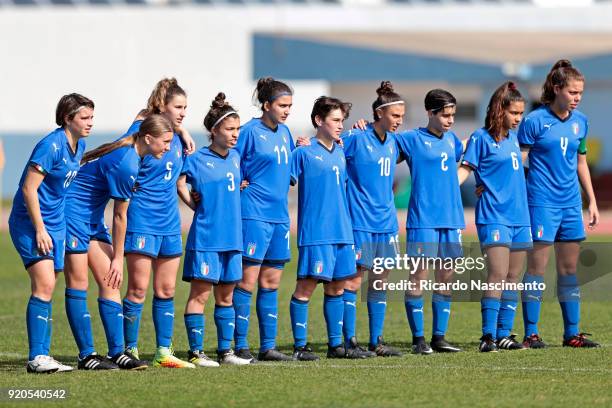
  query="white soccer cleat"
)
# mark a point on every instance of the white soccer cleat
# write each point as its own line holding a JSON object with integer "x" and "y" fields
{"x": 228, "y": 357}
{"x": 201, "y": 360}
{"x": 63, "y": 368}
{"x": 43, "y": 364}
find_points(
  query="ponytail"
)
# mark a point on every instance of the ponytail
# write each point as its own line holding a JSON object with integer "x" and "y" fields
{"x": 500, "y": 100}
{"x": 386, "y": 97}
{"x": 162, "y": 94}
{"x": 560, "y": 74}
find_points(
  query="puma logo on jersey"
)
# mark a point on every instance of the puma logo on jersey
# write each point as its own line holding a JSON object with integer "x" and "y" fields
{"x": 547, "y": 126}
{"x": 428, "y": 144}
{"x": 55, "y": 147}
{"x": 319, "y": 158}
{"x": 495, "y": 145}
{"x": 211, "y": 165}
{"x": 65, "y": 161}
{"x": 370, "y": 148}
{"x": 133, "y": 178}
{"x": 263, "y": 137}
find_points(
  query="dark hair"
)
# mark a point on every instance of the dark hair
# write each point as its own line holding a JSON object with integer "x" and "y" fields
{"x": 69, "y": 105}
{"x": 500, "y": 100}
{"x": 325, "y": 104}
{"x": 386, "y": 94}
{"x": 560, "y": 74}
{"x": 154, "y": 125}
{"x": 438, "y": 99}
{"x": 268, "y": 89}
{"x": 218, "y": 108}
{"x": 164, "y": 91}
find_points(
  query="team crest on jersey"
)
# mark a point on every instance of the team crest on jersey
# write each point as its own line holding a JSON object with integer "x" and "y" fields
{"x": 251, "y": 248}
{"x": 178, "y": 153}
{"x": 451, "y": 143}
{"x": 358, "y": 254}
{"x": 284, "y": 139}
{"x": 495, "y": 235}
{"x": 540, "y": 232}
{"x": 236, "y": 163}
{"x": 141, "y": 242}
{"x": 74, "y": 242}
{"x": 204, "y": 269}
{"x": 575, "y": 128}
{"x": 391, "y": 149}
{"x": 318, "y": 267}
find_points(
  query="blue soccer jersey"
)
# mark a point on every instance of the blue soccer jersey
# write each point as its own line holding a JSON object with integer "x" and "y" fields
{"x": 265, "y": 157}
{"x": 435, "y": 201}
{"x": 154, "y": 206}
{"x": 54, "y": 157}
{"x": 554, "y": 144}
{"x": 217, "y": 225}
{"x": 110, "y": 176}
{"x": 498, "y": 167}
{"x": 323, "y": 214}
{"x": 370, "y": 165}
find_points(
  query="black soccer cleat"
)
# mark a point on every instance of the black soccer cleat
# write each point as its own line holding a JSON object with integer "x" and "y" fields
{"x": 96, "y": 362}
{"x": 509, "y": 343}
{"x": 127, "y": 361}
{"x": 487, "y": 344}
{"x": 355, "y": 351}
{"x": 245, "y": 354}
{"x": 273, "y": 355}
{"x": 382, "y": 349}
{"x": 533, "y": 341}
{"x": 336, "y": 352}
{"x": 580, "y": 341}
{"x": 440, "y": 345}
{"x": 304, "y": 353}
{"x": 420, "y": 346}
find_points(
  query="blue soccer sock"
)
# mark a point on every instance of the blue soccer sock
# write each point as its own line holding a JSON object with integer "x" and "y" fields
{"x": 489, "y": 307}
{"x": 298, "y": 310}
{"x": 163, "y": 320}
{"x": 111, "y": 314}
{"x": 131, "y": 322}
{"x": 80, "y": 320}
{"x": 37, "y": 319}
{"x": 441, "y": 309}
{"x": 47, "y": 344}
{"x": 194, "y": 323}
{"x": 225, "y": 317}
{"x": 532, "y": 302}
{"x": 414, "y": 312}
{"x": 507, "y": 310}
{"x": 377, "y": 306}
{"x": 242, "y": 309}
{"x": 349, "y": 300}
{"x": 333, "y": 310}
{"x": 267, "y": 315}
{"x": 568, "y": 292}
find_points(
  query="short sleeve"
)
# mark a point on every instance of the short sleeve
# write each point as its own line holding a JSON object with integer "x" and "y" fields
{"x": 45, "y": 155}
{"x": 245, "y": 142}
{"x": 187, "y": 169}
{"x": 527, "y": 132}
{"x": 349, "y": 141}
{"x": 471, "y": 158}
{"x": 291, "y": 142}
{"x": 401, "y": 140}
{"x": 458, "y": 148}
{"x": 120, "y": 180}
{"x": 296, "y": 165}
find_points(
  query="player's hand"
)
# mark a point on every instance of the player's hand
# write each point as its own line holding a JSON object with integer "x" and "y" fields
{"x": 195, "y": 196}
{"x": 303, "y": 141}
{"x": 593, "y": 216}
{"x": 188, "y": 142}
{"x": 479, "y": 190}
{"x": 114, "y": 276}
{"x": 44, "y": 243}
{"x": 244, "y": 184}
{"x": 361, "y": 124}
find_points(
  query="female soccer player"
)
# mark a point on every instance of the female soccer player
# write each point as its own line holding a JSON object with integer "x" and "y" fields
{"x": 37, "y": 225}
{"x": 502, "y": 216}
{"x": 110, "y": 171}
{"x": 435, "y": 216}
{"x": 214, "y": 245}
{"x": 155, "y": 242}
{"x": 265, "y": 147}
{"x": 554, "y": 136}
{"x": 325, "y": 240}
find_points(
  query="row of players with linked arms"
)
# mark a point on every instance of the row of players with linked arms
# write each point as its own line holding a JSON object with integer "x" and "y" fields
{"x": 239, "y": 237}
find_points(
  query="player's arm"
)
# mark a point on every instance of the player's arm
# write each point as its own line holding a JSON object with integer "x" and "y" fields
{"x": 188, "y": 141}
{"x": 114, "y": 276}
{"x": 463, "y": 172}
{"x": 184, "y": 193}
{"x": 584, "y": 176}
{"x": 32, "y": 182}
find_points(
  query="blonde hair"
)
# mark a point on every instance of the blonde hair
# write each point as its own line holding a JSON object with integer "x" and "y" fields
{"x": 162, "y": 94}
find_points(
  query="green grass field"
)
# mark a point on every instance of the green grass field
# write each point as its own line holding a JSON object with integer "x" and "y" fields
{"x": 552, "y": 377}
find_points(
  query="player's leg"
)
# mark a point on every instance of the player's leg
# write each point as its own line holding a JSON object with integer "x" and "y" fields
{"x": 225, "y": 318}
{"x": 420, "y": 245}
{"x": 298, "y": 310}
{"x": 139, "y": 274}
{"x": 199, "y": 293}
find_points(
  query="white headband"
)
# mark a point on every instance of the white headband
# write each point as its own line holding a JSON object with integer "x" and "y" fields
{"x": 222, "y": 117}
{"x": 389, "y": 104}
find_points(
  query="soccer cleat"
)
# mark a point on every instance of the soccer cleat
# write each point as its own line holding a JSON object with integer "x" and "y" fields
{"x": 509, "y": 343}
{"x": 42, "y": 364}
{"x": 420, "y": 346}
{"x": 133, "y": 351}
{"x": 382, "y": 350}
{"x": 228, "y": 357}
{"x": 63, "y": 368}
{"x": 579, "y": 341}
{"x": 304, "y": 353}
{"x": 440, "y": 345}
{"x": 273, "y": 355}
{"x": 164, "y": 357}
{"x": 127, "y": 361}
{"x": 534, "y": 341}
{"x": 355, "y": 351}
{"x": 336, "y": 352}
{"x": 96, "y": 362}
{"x": 245, "y": 354}
{"x": 487, "y": 344}
{"x": 200, "y": 359}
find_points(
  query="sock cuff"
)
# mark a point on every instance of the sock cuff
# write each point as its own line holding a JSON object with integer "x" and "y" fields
{"x": 75, "y": 293}
{"x": 265, "y": 290}
{"x": 133, "y": 305}
{"x": 533, "y": 278}
{"x": 489, "y": 300}
{"x": 567, "y": 280}
{"x": 376, "y": 295}
{"x": 332, "y": 297}
{"x": 243, "y": 291}
{"x": 438, "y": 297}
{"x": 39, "y": 301}
{"x": 298, "y": 301}
{"x": 193, "y": 314}
{"x": 413, "y": 299}
{"x": 223, "y": 307}
{"x": 162, "y": 300}
{"x": 509, "y": 295}
{"x": 109, "y": 302}
{"x": 352, "y": 292}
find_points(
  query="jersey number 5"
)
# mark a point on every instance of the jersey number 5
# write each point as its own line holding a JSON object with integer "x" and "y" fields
{"x": 168, "y": 174}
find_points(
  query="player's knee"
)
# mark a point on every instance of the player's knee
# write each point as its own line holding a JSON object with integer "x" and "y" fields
{"x": 137, "y": 294}
{"x": 353, "y": 284}
{"x": 165, "y": 291}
